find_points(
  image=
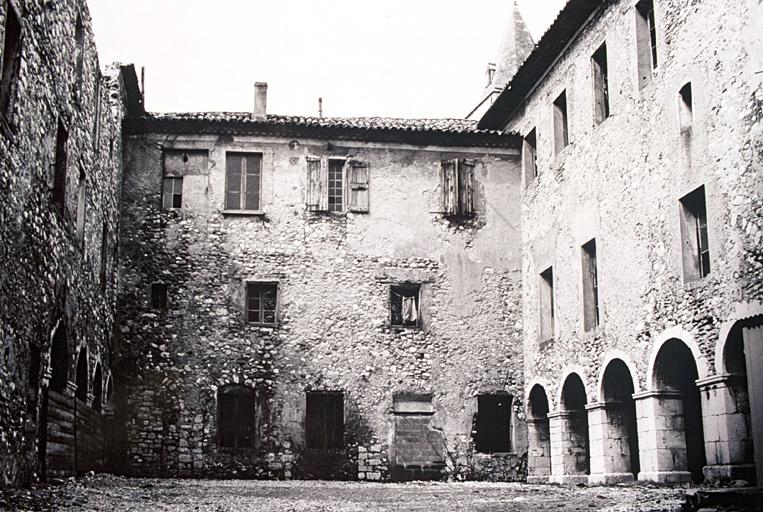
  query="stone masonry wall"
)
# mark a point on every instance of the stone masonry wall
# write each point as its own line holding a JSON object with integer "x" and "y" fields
{"x": 48, "y": 276}
{"x": 620, "y": 182}
{"x": 334, "y": 273}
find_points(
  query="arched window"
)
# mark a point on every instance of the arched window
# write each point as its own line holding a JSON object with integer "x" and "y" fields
{"x": 98, "y": 387}
{"x": 236, "y": 417}
{"x": 59, "y": 359}
{"x": 82, "y": 374}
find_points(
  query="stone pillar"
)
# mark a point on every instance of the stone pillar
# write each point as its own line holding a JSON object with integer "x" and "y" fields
{"x": 662, "y": 440}
{"x": 753, "y": 350}
{"x": 728, "y": 443}
{"x": 610, "y": 452}
{"x": 566, "y": 453}
{"x": 538, "y": 450}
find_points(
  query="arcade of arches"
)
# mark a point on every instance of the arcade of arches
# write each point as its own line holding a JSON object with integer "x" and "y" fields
{"x": 685, "y": 427}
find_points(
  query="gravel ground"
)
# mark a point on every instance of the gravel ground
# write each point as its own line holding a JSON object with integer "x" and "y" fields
{"x": 110, "y": 493}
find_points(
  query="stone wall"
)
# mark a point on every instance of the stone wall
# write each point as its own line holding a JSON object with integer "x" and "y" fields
{"x": 51, "y": 275}
{"x": 334, "y": 273}
{"x": 620, "y": 182}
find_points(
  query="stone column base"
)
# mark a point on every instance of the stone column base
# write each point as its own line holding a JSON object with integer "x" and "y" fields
{"x": 665, "y": 477}
{"x": 537, "y": 479}
{"x": 728, "y": 472}
{"x": 610, "y": 478}
{"x": 568, "y": 479}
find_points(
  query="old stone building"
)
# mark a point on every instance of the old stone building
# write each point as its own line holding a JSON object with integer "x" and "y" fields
{"x": 641, "y": 241}
{"x": 566, "y": 288}
{"x": 60, "y": 173}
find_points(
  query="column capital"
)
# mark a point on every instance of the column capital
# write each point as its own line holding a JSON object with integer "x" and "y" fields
{"x": 721, "y": 380}
{"x": 658, "y": 393}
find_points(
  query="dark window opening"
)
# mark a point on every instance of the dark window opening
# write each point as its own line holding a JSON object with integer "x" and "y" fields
{"x": 79, "y": 55}
{"x": 261, "y": 303}
{"x": 493, "y": 429}
{"x": 646, "y": 41}
{"x": 324, "y": 421}
{"x": 590, "y": 286}
{"x": 547, "y": 304}
{"x": 336, "y": 187}
{"x": 600, "y": 84}
{"x": 82, "y": 369}
{"x": 98, "y": 388}
{"x": 59, "y": 360}
{"x": 159, "y": 296}
{"x": 686, "y": 108}
{"x": 104, "y": 255}
{"x": 694, "y": 231}
{"x": 243, "y": 176}
{"x": 172, "y": 193}
{"x": 404, "y": 305}
{"x": 561, "y": 132}
{"x": 61, "y": 164}
{"x": 10, "y": 59}
{"x": 81, "y": 208}
{"x": 236, "y": 412}
{"x": 530, "y": 156}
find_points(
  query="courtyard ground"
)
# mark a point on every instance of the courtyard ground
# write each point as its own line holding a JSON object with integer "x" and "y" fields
{"x": 109, "y": 493}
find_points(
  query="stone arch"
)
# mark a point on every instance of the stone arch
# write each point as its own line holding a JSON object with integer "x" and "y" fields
{"x": 566, "y": 373}
{"x": 573, "y": 420}
{"x": 679, "y": 333}
{"x": 620, "y": 452}
{"x": 538, "y": 434}
{"x": 608, "y": 358}
{"x": 543, "y": 383}
{"x": 82, "y": 374}
{"x": 743, "y": 311}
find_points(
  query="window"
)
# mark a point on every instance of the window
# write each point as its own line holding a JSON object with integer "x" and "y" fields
{"x": 404, "y": 305}
{"x": 60, "y": 166}
{"x": 685, "y": 109}
{"x": 172, "y": 193}
{"x": 81, "y": 207}
{"x": 79, "y": 55}
{"x": 10, "y": 60}
{"x": 176, "y": 164}
{"x": 646, "y": 41}
{"x": 243, "y": 181}
{"x": 104, "y": 254}
{"x": 236, "y": 411}
{"x": 600, "y": 85}
{"x": 530, "y": 156}
{"x": 324, "y": 420}
{"x": 590, "y": 286}
{"x": 159, "y": 296}
{"x": 696, "y": 251}
{"x": 547, "y": 304}
{"x": 561, "y": 133}
{"x": 331, "y": 182}
{"x": 457, "y": 184}
{"x": 261, "y": 302}
{"x": 493, "y": 425}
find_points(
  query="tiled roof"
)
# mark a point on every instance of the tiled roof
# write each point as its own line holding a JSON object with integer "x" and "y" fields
{"x": 363, "y": 123}
{"x": 448, "y": 132}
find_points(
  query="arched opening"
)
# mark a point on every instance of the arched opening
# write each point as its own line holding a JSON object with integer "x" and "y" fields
{"x": 59, "y": 360}
{"x": 98, "y": 387}
{"x": 622, "y": 432}
{"x": 82, "y": 375}
{"x": 538, "y": 435}
{"x": 575, "y": 447}
{"x": 675, "y": 373}
{"x": 739, "y": 418}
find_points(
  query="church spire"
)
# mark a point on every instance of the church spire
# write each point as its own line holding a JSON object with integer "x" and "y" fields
{"x": 516, "y": 45}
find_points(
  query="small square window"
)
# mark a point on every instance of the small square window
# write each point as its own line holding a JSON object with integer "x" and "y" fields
{"x": 404, "y": 305}
{"x": 261, "y": 302}
{"x": 172, "y": 193}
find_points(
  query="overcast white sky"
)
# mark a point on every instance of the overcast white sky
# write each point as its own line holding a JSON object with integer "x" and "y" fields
{"x": 404, "y": 58}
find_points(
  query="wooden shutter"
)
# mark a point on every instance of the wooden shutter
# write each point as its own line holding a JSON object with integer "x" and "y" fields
{"x": 323, "y": 186}
{"x": 466, "y": 187}
{"x": 449, "y": 186}
{"x": 358, "y": 179}
{"x": 313, "y": 194}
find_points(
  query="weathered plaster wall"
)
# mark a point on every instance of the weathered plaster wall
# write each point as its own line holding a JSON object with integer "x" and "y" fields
{"x": 334, "y": 272}
{"x": 41, "y": 262}
{"x": 620, "y": 183}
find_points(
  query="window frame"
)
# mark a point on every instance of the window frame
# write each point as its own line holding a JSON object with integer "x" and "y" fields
{"x": 530, "y": 156}
{"x": 413, "y": 288}
{"x": 647, "y": 57}
{"x": 561, "y": 132}
{"x": 241, "y": 210}
{"x": 547, "y": 304}
{"x": 251, "y": 285}
{"x": 695, "y": 235}
{"x": 590, "y": 270}
{"x": 602, "y": 107}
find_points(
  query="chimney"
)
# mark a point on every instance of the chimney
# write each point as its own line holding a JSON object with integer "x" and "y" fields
{"x": 320, "y": 107}
{"x": 260, "y": 99}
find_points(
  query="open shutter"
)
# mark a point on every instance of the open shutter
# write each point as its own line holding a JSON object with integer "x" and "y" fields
{"x": 449, "y": 186}
{"x": 466, "y": 187}
{"x": 313, "y": 183}
{"x": 323, "y": 186}
{"x": 358, "y": 186}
